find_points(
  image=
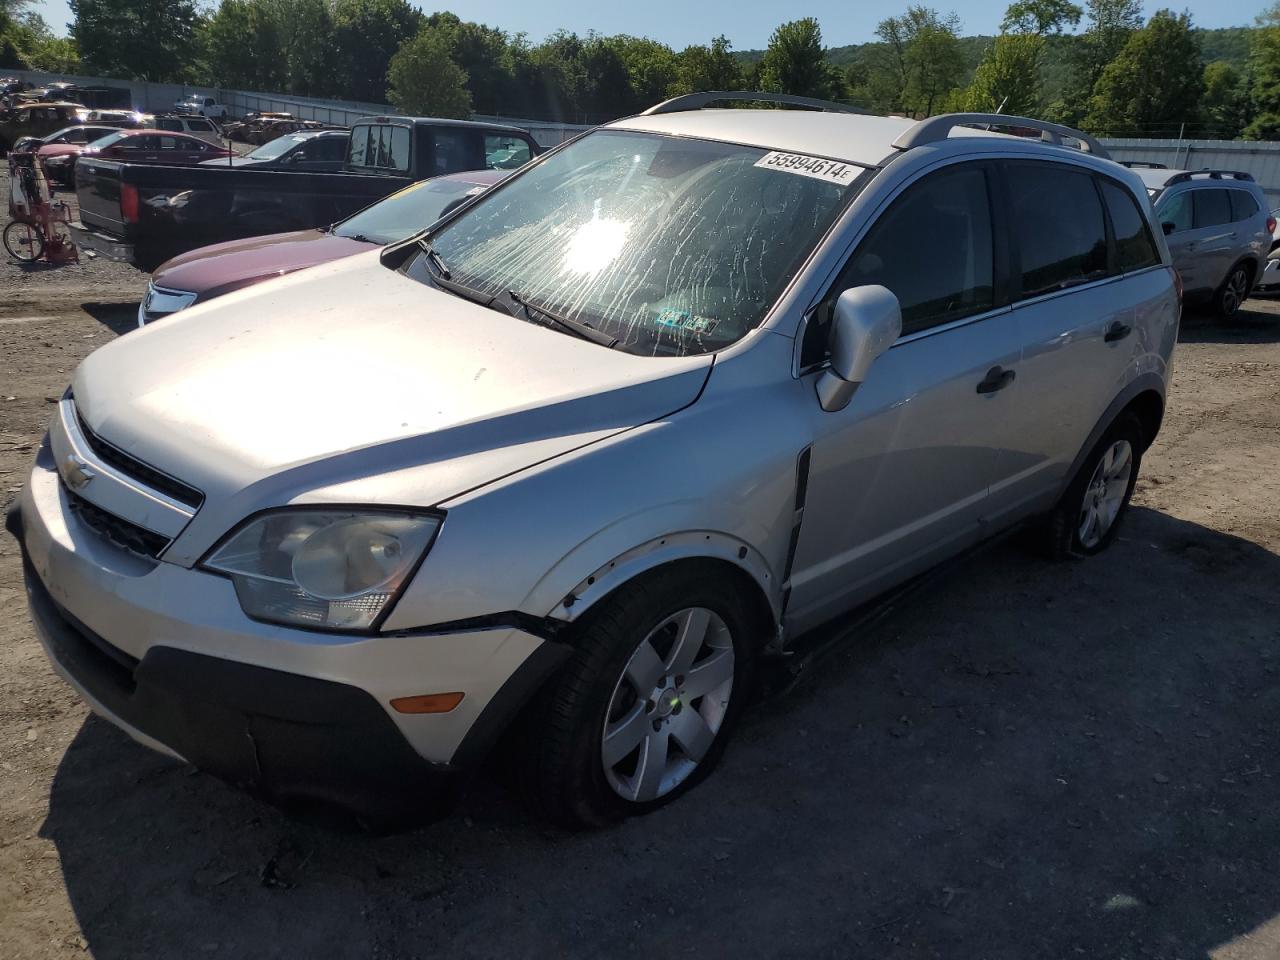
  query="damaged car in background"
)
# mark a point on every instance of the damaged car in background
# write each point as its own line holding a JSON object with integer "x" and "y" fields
{"x": 570, "y": 464}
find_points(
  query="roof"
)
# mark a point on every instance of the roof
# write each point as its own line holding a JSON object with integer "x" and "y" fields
{"x": 861, "y": 139}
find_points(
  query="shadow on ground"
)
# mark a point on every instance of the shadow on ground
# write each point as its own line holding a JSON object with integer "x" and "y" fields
{"x": 1254, "y": 323}
{"x": 119, "y": 318}
{"x": 1025, "y": 760}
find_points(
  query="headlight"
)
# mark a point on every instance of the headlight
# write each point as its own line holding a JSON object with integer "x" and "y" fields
{"x": 327, "y": 569}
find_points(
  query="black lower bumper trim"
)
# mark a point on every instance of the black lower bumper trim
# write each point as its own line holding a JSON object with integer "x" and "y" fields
{"x": 298, "y": 742}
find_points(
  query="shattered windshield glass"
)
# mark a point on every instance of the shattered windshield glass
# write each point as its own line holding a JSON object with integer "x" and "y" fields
{"x": 670, "y": 245}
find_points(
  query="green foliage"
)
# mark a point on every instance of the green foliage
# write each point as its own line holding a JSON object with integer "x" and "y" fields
{"x": 795, "y": 62}
{"x": 917, "y": 64}
{"x": 366, "y": 35}
{"x": 425, "y": 81}
{"x": 1008, "y": 79}
{"x": 1153, "y": 85}
{"x": 136, "y": 39}
{"x": 1264, "y": 63}
{"x": 1225, "y": 106}
{"x": 708, "y": 68}
{"x": 1040, "y": 17}
{"x": 26, "y": 42}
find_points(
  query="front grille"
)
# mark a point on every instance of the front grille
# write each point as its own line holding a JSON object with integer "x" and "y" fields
{"x": 148, "y": 475}
{"x": 122, "y": 533}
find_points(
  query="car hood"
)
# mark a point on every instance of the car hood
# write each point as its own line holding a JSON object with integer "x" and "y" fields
{"x": 210, "y": 271}
{"x": 353, "y": 375}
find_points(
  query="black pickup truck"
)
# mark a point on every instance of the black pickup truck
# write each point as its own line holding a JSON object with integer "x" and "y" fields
{"x": 147, "y": 213}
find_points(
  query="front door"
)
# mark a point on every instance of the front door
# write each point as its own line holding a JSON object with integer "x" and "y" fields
{"x": 898, "y": 479}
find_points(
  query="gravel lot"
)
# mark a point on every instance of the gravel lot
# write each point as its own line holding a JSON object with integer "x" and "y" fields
{"x": 1024, "y": 760}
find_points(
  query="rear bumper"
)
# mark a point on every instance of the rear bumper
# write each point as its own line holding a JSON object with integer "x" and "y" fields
{"x": 104, "y": 246}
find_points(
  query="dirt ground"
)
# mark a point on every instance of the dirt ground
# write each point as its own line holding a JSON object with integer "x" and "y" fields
{"x": 1025, "y": 760}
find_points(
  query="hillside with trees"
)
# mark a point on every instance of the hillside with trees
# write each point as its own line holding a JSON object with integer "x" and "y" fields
{"x": 1100, "y": 65}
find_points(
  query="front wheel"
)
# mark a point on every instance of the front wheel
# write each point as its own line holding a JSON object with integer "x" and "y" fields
{"x": 24, "y": 242}
{"x": 1088, "y": 516}
{"x": 642, "y": 711}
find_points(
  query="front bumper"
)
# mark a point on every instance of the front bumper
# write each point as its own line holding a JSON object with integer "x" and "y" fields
{"x": 298, "y": 718}
{"x": 1270, "y": 279}
{"x": 104, "y": 246}
{"x": 161, "y": 302}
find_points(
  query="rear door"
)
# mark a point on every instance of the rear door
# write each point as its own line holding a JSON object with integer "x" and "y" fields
{"x": 1215, "y": 234}
{"x": 1077, "y": 307}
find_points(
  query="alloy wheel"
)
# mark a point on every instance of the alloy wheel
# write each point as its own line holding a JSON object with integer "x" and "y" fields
{"x": 1234, "y": 293}
{"x": 668, "y": 705}
{"x": 1104, "y": 496}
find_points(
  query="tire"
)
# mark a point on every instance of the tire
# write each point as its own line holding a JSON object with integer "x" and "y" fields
{"x": 1065, "y": 532}
{"x": 631, "y": 639}
{"x": 1233, "y": 292}
{"x": 23, "y": 241}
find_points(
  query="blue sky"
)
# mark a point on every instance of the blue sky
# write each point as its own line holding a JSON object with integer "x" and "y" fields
{"x": 747, "y": 25}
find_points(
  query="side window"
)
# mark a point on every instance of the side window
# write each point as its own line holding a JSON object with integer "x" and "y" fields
{"x": 169, "y": 123}
{"x": 1212, "y": 207}
{"x": 505, "y": 152}
{"x": 1134, "y": 246}
{"x": 1243, "y": 206}
{"x": 452, "y": 150}
{"x": 949, "y": 213}
{"x": 1058, "y": 229}
{"x": 330, "y": 148}
{"x": 76, "y": 136}
{"x": 169, "y": 143}
{"x": 204, "y": 126}
{"x": 1177, "y": 211}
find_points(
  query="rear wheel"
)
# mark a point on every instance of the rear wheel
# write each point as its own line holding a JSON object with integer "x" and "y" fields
{"x": 642, "y": 711}
{"x": 1088, "y": 516}
{"x": 1232, "y": 293}
{"x": 23, "y": 241}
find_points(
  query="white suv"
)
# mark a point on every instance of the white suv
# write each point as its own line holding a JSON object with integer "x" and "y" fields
{"x": 197, "y": 126}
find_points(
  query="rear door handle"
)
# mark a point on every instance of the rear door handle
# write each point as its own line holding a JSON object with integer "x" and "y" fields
{"x": 997, "y": 378}
{"x": 1117, "y": 331}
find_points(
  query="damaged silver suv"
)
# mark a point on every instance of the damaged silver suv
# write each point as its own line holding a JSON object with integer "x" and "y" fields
{"x": 568, "y": 465}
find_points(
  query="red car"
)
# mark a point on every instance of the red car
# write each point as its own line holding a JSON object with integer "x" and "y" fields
{"x": 135, "y": 146}
{"x": 210, "y": 272}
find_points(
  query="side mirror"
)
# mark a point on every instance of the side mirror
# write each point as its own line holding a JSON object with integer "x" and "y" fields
{"x": 867, "y": 321}
{"x": 1167, "y": 227}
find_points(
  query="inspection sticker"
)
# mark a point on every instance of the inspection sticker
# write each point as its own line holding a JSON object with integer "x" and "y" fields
{"x": 833, "y": 171}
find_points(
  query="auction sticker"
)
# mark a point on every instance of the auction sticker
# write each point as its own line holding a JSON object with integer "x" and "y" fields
{"x": 833, "y": 171}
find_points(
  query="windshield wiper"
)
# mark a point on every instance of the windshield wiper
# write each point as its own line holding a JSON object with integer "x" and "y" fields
{"x": 575, "y": 327}
{"x": 437, "y": 261}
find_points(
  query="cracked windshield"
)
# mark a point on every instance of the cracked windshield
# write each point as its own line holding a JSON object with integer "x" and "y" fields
{"x": 668, "y": 245}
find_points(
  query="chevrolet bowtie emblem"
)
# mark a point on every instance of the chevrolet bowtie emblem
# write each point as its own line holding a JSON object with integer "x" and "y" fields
{"x": 76, "y": 473}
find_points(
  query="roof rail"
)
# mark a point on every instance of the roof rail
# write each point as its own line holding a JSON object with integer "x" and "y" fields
{"x": 935, "y": 129}
{"x": 1143, "y": 165}
{"x": 1207, "y": 172}
{"x": 696, "y": 101}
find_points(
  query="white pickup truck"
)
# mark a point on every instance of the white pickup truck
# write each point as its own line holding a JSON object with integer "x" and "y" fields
{"x": 204, "y": 105}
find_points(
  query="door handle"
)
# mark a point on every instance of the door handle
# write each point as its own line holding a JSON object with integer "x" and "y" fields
{"x": 997, "y": 378}
{"x": 1117, "y": 331}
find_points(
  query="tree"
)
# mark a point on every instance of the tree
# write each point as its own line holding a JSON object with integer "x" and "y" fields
{"x": 796, "y": 63}
{"x": 650, "y": 66}
{"x": 425, "y": 81}
{"x": 367, "y": 34}
{"x": 1264, "y": 89}
{"x": 1155, "y": 83}
{"x": 242, "y": 46}
{"x": 1225, "y": 105}
{"x": 707, "y": 68}
{"x": 1008, "y": 79}
{"x": 1041, "y": 17}
{"x": 482, "y": 52}
{"x": 137, "y": 39}
{"x": 918, "y": 64}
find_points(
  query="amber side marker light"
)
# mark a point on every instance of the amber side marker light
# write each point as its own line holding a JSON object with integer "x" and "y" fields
{"x": 428, "y": 703}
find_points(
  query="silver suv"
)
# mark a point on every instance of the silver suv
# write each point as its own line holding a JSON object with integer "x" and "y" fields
{"x": 572, "y": 463}
{"x": 1219, "y": 231}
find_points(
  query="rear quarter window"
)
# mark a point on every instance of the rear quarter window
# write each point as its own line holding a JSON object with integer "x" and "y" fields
{"x": 1059, "y": 232}
{"x": 1135, "y": 249}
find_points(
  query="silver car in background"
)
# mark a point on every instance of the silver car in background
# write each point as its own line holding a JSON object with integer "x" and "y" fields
{"x": 1218, "y": 228}
{"x": 573, "y": 463}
